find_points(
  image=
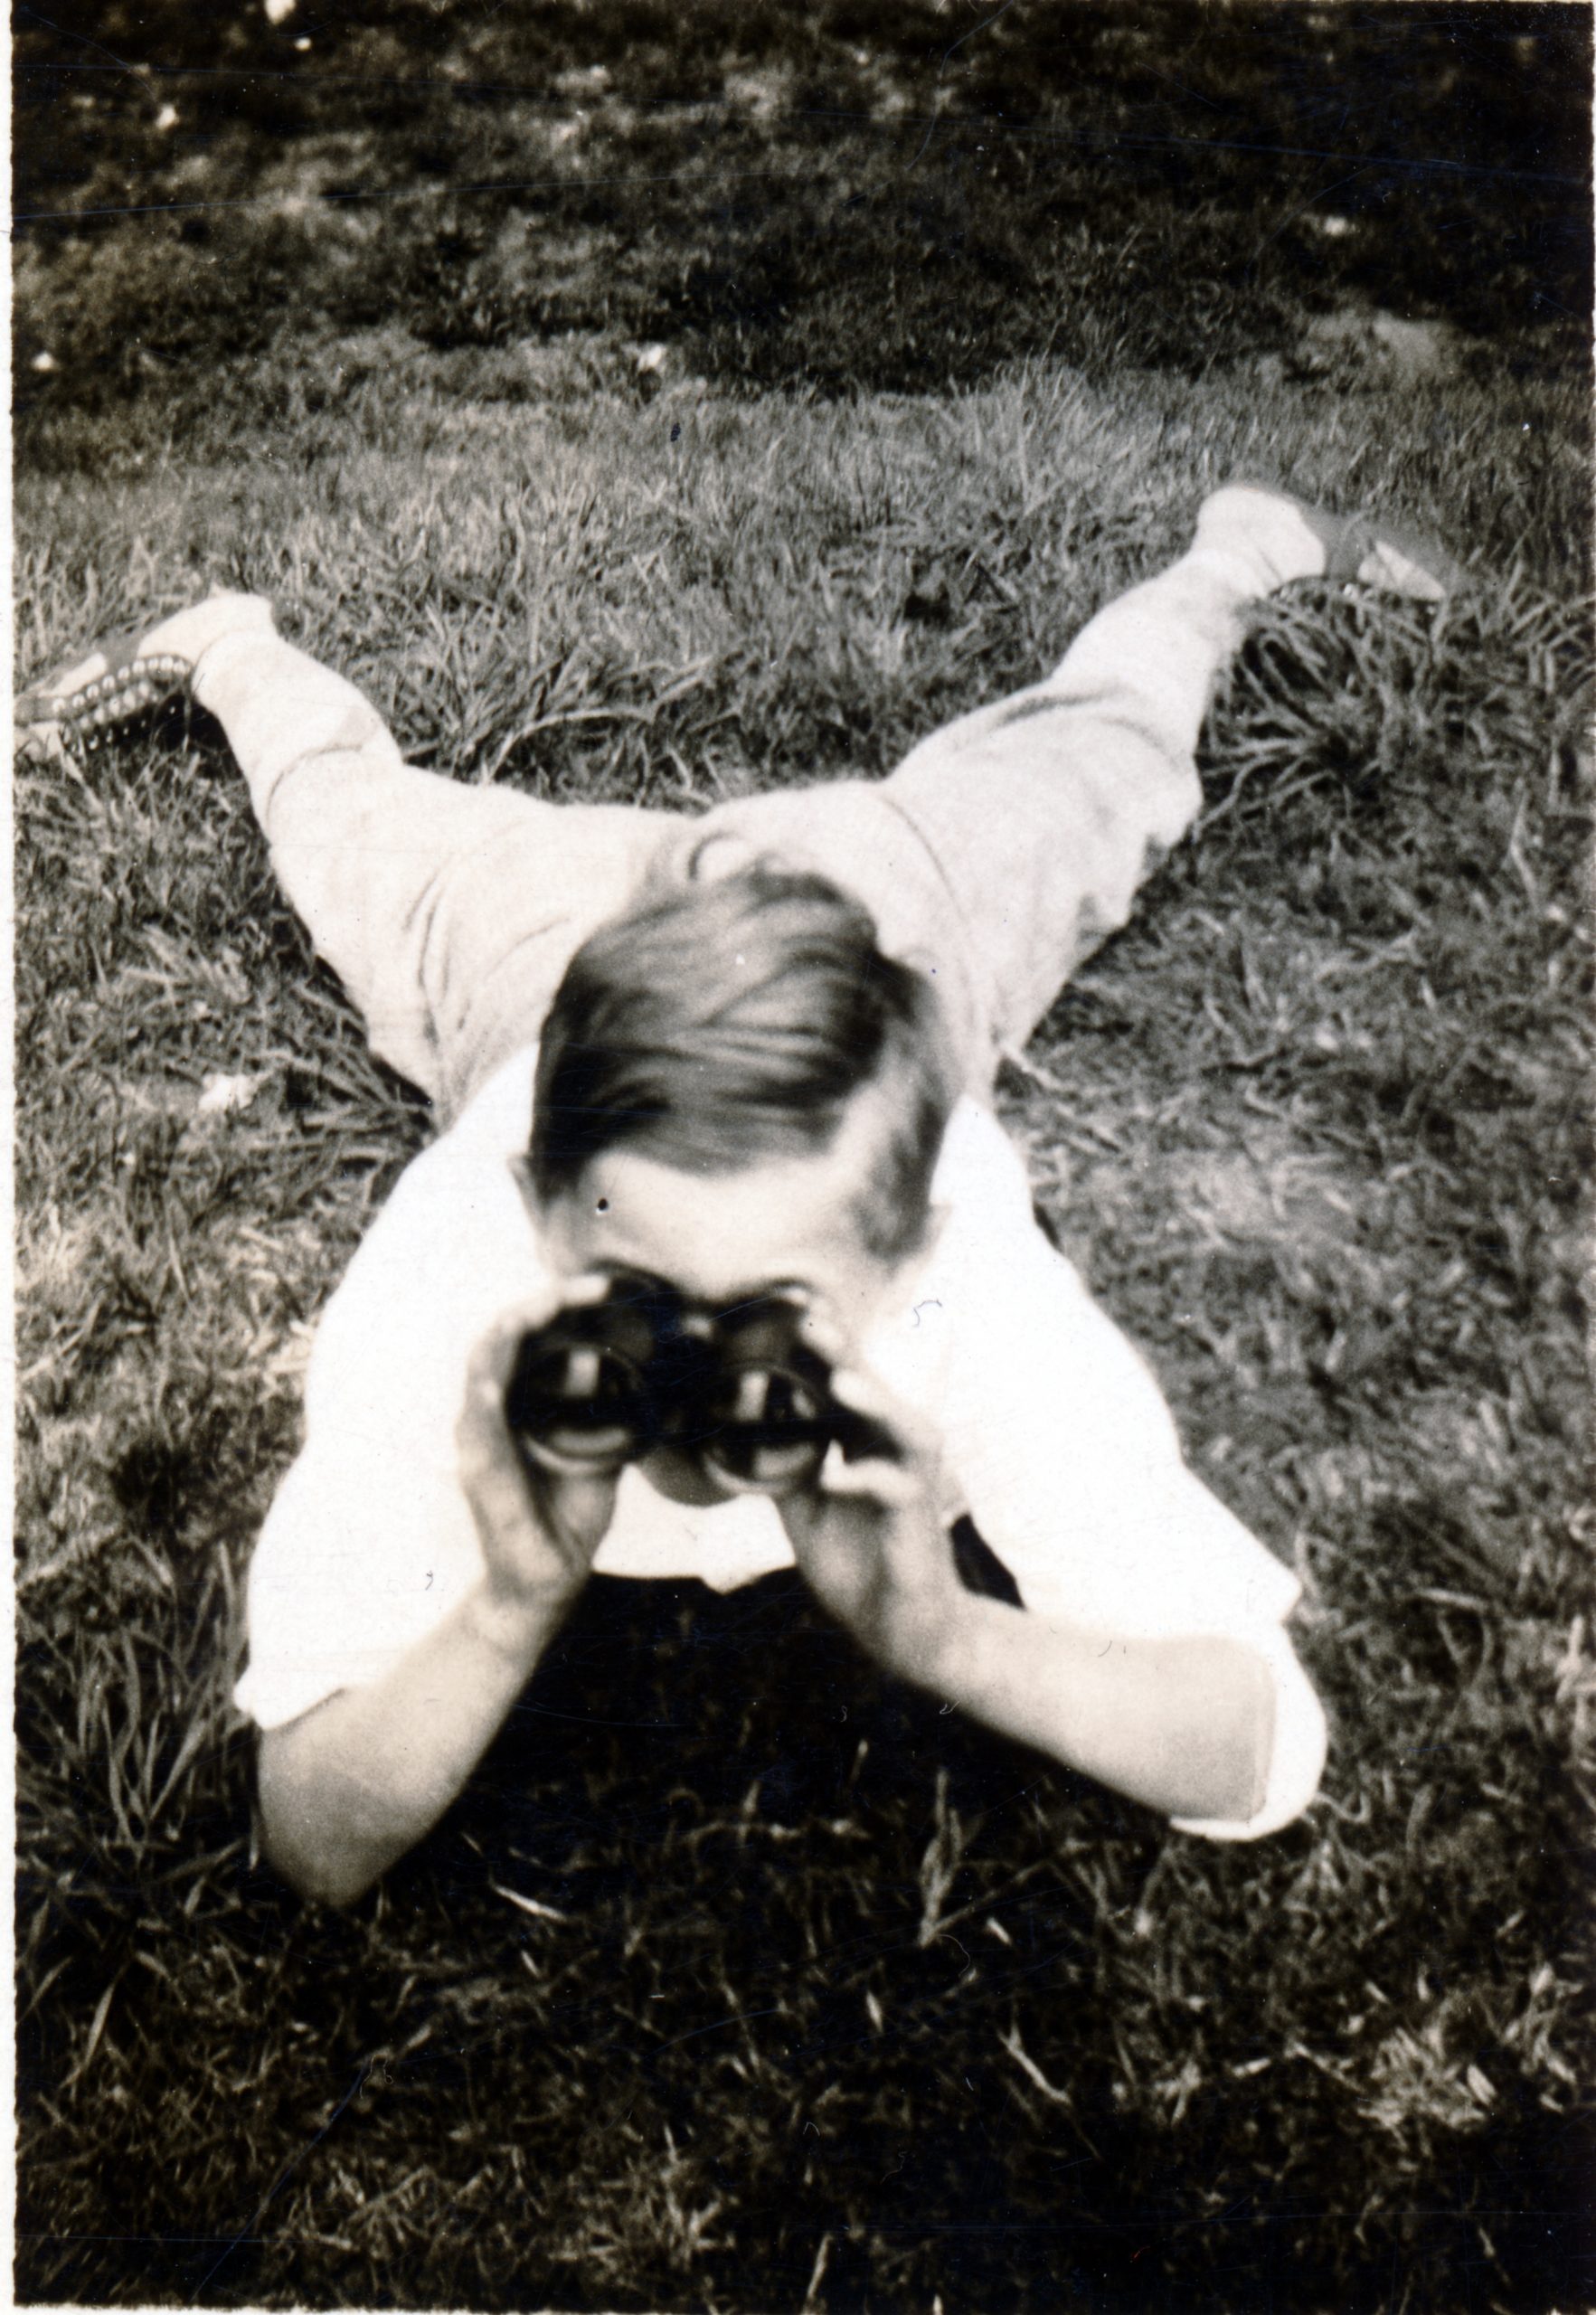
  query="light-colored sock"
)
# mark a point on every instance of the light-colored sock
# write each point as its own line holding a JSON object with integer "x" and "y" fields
{"x": 191, "y": 632}
{"x": 1261, "y": 535}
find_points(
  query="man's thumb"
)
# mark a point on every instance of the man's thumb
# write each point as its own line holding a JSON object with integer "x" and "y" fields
{"x": 584, "y": 1506}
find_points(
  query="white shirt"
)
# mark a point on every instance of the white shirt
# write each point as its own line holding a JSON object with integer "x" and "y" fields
{"x": 1054, "y": 1433}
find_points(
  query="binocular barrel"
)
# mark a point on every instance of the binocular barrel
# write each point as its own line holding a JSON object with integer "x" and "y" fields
{"x": 604, "y": 1385}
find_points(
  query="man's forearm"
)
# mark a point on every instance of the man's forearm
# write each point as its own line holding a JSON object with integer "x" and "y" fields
{"x": 351, "y": 1785}
{"x": 1184, "y": 1726}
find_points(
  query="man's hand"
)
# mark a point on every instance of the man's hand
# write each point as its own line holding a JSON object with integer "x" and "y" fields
{"x": 355, "y": 1781}
{"x": 539, "y": 1530}
{"x": 1184, "y": 1724}
{"x": 868, "y": 1533}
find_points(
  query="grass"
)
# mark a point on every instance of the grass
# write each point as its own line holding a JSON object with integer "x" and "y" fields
{"x": 861, "y": 196}
{"x": 740, "y": 1977}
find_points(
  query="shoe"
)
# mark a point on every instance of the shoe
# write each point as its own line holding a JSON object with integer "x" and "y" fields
{"x": 1368, "y": 550}
{"x": 127, "y": 676}
{"x": 1383, "y": 555}
{"x": 74, "y": 709}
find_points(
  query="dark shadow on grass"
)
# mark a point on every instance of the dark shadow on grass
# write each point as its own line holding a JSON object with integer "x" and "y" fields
{"x": 665, "y": 1695}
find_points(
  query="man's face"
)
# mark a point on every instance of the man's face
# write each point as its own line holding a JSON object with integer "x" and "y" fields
{"x": 725, "y": 1239}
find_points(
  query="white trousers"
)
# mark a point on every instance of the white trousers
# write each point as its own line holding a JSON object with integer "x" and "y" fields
{"x": 1000, "y": 852}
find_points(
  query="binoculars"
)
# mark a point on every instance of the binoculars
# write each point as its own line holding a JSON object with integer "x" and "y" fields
{"x": 606, "y": 1384}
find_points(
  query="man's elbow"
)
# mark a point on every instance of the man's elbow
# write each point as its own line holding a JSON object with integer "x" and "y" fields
{"x": 319, "y": 1875}
{"x": 1294, "y": 1755}
{"x": 304, "y": 1835}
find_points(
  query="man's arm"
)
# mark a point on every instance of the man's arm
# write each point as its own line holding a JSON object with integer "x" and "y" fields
{"x": 1183, "y": 1724}
{"x": 352, "y": 1785}
{"x": 1153, "y": 1652}
{"x": 357, "y": 1778}
{"x": 347, "y": 1786}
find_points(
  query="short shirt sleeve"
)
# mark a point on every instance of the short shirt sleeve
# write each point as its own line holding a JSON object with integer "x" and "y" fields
{"x": 369, "y": 1541}
{"x": 1065, "y": 1452}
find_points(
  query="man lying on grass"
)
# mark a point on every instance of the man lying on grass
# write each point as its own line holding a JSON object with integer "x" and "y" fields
{"x": 722, "y": 1260}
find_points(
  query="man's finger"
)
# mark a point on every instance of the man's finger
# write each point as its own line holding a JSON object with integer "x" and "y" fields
{"x": 581, "y": 1508}
{"x": 862, "y": 1394}
{"x": 492, "y": 1476}
{"x": 494, "y": 1355}
{"x": 873, "y": 1479}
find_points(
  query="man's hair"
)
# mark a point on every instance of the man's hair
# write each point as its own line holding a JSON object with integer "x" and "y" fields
{"x": 718, "y": 1022}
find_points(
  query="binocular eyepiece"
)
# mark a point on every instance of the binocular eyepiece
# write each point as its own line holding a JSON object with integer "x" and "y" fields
{"x": 606, "y": 1384}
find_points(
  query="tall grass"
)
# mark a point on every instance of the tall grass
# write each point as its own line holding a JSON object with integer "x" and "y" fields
{"x": 742, "y": 1977}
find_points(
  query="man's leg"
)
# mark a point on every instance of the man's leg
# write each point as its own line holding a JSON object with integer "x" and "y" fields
{"x": 1010, "y": 843}
{"x": 1046, "y": 811}
{"x": 448, "y": 911}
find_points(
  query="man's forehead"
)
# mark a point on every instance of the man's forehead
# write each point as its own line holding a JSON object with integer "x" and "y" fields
{"x": 723, "y": 1240}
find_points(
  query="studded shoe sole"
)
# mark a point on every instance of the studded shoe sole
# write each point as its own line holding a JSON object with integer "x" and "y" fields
{"x": 77, "y": 709}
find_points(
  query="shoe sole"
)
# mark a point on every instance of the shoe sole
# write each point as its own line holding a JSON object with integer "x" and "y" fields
{"x": 131, "y": 686}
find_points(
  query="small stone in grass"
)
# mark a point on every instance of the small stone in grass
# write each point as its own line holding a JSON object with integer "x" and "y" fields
{"x": 219, "y": 1094}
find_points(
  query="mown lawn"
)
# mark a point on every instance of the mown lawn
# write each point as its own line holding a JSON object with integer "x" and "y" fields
{"x": 743, "y": 1978}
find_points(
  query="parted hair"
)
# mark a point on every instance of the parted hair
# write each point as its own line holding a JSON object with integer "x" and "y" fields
{"x": 722, "y": 1022}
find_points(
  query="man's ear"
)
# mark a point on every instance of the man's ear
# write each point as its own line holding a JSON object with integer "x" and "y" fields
{"x": 520, "y": 1171}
